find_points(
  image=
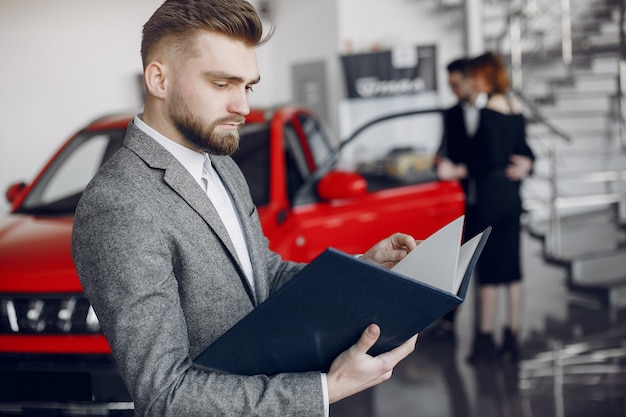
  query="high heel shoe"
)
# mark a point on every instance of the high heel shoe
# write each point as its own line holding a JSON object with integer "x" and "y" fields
{"x": 509, "y": 351}
{"x": 484, "y": 349}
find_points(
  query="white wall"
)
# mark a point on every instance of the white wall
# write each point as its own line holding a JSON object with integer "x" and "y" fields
{"x": 306, "y": 32}
{"x": 385, "y": 24}
{"x": 66, "y": 62}
{"x": 63, "y": 63}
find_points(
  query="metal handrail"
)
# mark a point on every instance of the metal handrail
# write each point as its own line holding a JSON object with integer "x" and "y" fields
{"x": 537, "y": 116}
{"x": 621, "y": 93}
{"x": 526, "y": 12}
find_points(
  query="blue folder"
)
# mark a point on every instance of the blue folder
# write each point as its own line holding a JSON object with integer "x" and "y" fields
{"x": 323, "y": 310}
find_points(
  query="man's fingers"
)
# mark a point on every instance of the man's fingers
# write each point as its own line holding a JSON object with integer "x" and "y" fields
{"x": 394, "y": 255}
{"x": 402, "y": 240}
{"x": 396, "y": 355}
{"x": 368, "y": 338}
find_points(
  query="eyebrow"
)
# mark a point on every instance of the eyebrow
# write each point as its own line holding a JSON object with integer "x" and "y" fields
{"x": 226, "y": 76}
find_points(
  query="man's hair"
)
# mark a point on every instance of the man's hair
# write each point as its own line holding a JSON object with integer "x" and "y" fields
{"x": 175, "y": 21}
{"x": 490, "y": 66}
{"x": 458, "y": 65}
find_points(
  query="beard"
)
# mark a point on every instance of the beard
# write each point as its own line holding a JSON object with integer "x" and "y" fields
{"x": 205, "y": 137}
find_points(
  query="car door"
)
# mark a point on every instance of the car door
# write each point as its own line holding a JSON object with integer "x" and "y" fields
{"x": 418, "y": 205}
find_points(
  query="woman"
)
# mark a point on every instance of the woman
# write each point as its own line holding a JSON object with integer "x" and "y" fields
{"x": 491, "y": 163}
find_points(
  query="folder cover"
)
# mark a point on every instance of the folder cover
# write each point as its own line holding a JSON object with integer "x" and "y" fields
{"x": 323, "y": 310}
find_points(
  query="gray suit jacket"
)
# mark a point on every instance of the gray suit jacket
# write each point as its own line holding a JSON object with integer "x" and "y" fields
{"x": 164, "y": 279}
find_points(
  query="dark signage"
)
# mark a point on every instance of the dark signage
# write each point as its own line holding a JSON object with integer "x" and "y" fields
{"x": 400, "y": 71}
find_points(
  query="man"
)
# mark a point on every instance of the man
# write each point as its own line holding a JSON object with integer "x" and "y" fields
{"x": 460, "y": 120}
{"x": 167, "y": 242}
{"x": 460, "y": 123}
{"x": 458, "y": 79}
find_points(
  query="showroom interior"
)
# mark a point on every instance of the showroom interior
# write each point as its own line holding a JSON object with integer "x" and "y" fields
{"x": 69, "y": 62}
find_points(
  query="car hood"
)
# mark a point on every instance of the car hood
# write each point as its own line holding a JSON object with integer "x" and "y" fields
{"x": 35, "y": 254}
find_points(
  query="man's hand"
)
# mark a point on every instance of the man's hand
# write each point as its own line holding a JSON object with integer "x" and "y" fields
{"x": 447, "y": 170}
{"x": 354, "y": 370}
{"x": 390, "y": 251}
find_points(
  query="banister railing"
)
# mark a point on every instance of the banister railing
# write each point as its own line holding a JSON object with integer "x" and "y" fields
{"x": 621, "y": 93}
{"x": 523, "y": 17}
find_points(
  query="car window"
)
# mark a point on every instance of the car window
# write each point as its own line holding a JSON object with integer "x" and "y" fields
{"x": 79, "y": 167}
{"x": 395, "y": 152}
{"x": 296, "y": 165}
{"x": 318, "y": 139}
{"x": 58, "y": 190}
{"x": 253, "y": 158}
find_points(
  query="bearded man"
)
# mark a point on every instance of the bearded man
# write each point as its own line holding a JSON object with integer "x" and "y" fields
{"x": 167, "y": 242}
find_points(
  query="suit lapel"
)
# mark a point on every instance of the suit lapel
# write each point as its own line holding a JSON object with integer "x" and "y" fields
{"x": 460, "y": 121}
{"x": 238, "y": 192}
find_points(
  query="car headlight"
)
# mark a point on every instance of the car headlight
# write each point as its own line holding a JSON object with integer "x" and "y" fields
{"x": 47, "y": 314}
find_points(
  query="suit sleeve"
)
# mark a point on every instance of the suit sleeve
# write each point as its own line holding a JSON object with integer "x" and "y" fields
{"x": 124, "y": 261}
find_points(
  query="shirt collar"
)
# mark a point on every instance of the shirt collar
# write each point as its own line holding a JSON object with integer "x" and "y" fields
{"x": 192, "y": 161}
{"x": 481, "y": 100}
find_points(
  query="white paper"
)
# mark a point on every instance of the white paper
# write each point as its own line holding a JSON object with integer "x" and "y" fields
{"x": 465, "y": 256}
{"x": 435, "y": 260}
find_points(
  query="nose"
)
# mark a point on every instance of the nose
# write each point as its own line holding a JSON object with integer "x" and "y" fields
{"x": 239, "y": 102}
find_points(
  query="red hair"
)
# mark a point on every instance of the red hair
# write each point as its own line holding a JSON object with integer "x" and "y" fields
{"x": 490, "y": 67}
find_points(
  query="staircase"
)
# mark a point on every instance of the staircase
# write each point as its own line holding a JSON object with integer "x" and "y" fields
{"x": 585, "y": 377}
{"x": 569, "y": 80}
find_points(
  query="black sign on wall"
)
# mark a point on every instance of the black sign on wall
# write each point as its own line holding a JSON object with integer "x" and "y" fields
{"x": 401, "y": 71}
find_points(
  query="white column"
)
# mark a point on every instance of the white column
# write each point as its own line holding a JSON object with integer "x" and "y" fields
{"x": 475, "y": 43}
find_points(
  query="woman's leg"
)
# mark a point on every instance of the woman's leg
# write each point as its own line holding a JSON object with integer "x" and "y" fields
{"x": 515, "y": 296}
{"x": 509, "y": 351}
{"x": 488, "y": 307}
{"x": 484, "y": 348}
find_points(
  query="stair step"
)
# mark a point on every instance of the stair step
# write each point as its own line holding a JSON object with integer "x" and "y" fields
{"x": 575, "y": 124}
{"x": 534, "y": 128}
{"x": 606, "y": 63}
{"x": 584, "y": 230}
{"x": 599, "y": 102}
{"x": 612, "y": 296}
{"x": 607, "y": 84}
{"x": 598, "y": 115}
{"x": 605, "y": 269}
{"x": 578, "y": 242}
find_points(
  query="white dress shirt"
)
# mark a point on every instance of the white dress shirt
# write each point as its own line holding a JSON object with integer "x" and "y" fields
{"x": 471, "y": 113}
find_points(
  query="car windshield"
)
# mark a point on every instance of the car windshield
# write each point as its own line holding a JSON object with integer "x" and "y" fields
{"x": 60, "y": 187}
{"x": 395, "y": 151}
{"x": 58, "y": 190}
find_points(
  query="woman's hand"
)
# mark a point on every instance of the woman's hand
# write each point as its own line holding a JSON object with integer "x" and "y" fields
{"x": 519, "y": 167}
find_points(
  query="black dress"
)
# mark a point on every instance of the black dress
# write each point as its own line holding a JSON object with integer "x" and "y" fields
{"x": 491, "y": 199}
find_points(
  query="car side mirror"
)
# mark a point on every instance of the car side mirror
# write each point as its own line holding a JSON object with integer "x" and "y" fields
{"x": 14, "y": 190}
{"x": 341, "y": 184}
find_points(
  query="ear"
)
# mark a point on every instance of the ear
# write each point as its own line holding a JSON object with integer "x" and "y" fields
{"x": 155, "y": 78}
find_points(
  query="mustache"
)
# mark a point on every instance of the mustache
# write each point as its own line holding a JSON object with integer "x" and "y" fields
{"x": 231, "y": 119}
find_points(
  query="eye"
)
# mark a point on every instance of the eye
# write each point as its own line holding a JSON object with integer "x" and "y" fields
{"x": 219, "y": 85}
{"x": 249, "y": 89}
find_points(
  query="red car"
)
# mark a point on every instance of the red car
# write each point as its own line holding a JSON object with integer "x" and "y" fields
{"x": 51, "y": 347}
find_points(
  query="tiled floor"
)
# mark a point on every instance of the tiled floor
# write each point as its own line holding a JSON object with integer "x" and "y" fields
{"x": 574, "y": 362}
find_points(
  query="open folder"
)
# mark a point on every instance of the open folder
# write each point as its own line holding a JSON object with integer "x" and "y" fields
{"x": 323, "y": 309}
